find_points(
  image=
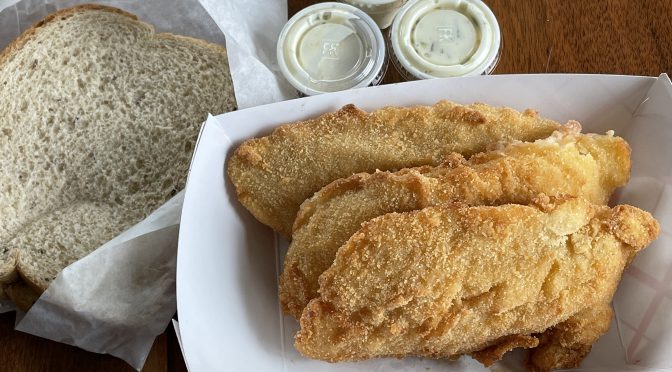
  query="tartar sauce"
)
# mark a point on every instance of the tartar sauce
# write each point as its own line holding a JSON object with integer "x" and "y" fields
{"x": 444, "y": 38}
{"x": 329, "y": 47}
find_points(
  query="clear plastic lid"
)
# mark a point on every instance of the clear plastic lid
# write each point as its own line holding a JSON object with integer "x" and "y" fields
{"x": 382, "y": 11}
{"x": 376, "y": 5}
{"x": 329, "y": 47}
{"x": 444, "y": 38}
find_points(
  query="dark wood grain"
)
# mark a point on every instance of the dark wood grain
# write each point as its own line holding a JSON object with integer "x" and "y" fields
{"x": 596, "y": 36}
{"x": 23, "y": 352}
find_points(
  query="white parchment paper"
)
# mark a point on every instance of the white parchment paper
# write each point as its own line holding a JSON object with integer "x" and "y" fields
{"x": 118, "y": 298}
{"x": 252, "y": 29}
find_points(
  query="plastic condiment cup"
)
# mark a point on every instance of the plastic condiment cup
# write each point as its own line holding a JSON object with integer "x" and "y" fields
{"x": 329, "y": 47}
{"x": 444, "y": 38}
{"x": 382, "y": 11}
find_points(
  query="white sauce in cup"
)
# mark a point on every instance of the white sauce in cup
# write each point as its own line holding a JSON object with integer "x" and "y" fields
{"x": 444, "y": 38}
{"x": 329, "y": 47}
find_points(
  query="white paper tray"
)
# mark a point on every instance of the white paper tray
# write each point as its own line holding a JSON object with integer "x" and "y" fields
{"x": 228, "y": 263}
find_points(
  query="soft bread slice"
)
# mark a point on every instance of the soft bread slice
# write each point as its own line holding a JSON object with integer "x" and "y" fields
{"x": 62, "y": 237}
{"x": 98, "y": 120}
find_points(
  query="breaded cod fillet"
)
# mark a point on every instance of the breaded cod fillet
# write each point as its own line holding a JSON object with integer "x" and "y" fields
{"x": 566, "y": 345}
{"x": 452, "y": 279}
{"x": 273, "y": 175}
{"x": 567, "y": 163}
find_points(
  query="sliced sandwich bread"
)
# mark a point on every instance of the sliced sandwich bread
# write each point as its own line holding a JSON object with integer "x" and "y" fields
{"x": 98, "y": 119}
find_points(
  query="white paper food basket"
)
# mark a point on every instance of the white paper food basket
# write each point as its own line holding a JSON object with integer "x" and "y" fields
{"x": 228, "y": 263}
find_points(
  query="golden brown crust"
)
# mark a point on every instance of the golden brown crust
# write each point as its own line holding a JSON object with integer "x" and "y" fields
{"x": 558, "y": 166}
{"x": 452, "y": 280}
{"x": 492, "y": 354}
{"x": 568, "y": 343}
{"x": 630, "y": 226}
{"x": 274, "y": 174}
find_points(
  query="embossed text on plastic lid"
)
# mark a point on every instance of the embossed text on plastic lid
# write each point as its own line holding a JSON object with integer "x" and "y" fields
{"x": 329, "y": 47}
{"x": 382, "y": 11}
{"x": 444, "y": 38}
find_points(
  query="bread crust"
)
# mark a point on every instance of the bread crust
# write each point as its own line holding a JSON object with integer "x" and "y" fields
{"x": 26, "y": 36}
{"x": 22, "y": 294}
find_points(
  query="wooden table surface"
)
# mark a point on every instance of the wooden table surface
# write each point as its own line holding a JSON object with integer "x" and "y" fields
{"x": 596, "y": 36}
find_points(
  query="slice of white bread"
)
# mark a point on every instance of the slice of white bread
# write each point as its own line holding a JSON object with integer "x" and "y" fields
{"x": 62, "y": 236}
{"x": 98, "y": 120}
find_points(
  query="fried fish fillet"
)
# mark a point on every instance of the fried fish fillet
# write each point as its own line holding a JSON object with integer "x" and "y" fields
{"x": 273, "y": 175}
{"x": 452, "y": 279}
{"x": 567, "y": 163}
{"x": 568, "y": 343}
{"x": 563, "y": 346}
